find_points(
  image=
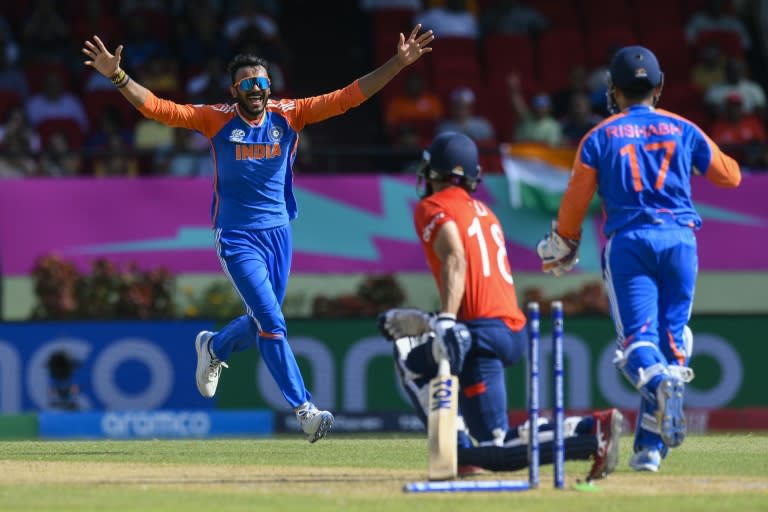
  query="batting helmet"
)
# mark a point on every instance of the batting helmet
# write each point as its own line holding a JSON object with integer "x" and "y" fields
{"x": 452, "y": 157}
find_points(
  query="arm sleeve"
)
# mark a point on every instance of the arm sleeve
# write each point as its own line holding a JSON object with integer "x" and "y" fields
{"x": 195, "y": 117}
{"x": 709, "y": 160}
{"x": 581, "y": 188}
{"x": 318, "y": 108}
{"x": 427, "y": 219}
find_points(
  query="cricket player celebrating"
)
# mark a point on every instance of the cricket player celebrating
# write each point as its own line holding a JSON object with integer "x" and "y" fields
{"x": 479, "y": 329}
{"x": 640, "y": 162}
{"x": 253, "y": 146}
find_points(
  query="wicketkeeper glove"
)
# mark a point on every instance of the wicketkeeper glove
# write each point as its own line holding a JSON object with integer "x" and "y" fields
{"x": 558, "y": 254}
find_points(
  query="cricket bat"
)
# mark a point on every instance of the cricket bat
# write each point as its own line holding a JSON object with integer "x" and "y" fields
{"x": 443, "y": 409}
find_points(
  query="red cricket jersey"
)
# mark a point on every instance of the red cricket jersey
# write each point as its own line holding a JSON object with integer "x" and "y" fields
{"x": 490, "y": 291}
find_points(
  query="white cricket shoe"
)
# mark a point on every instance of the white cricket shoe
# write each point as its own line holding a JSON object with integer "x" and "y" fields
{"x": 314, "y": 422}
{"x": 208, "y": 366}
{"x": 647, "y": 459}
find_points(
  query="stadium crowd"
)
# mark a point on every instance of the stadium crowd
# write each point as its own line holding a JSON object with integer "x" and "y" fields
{"x": 502, "y": 71}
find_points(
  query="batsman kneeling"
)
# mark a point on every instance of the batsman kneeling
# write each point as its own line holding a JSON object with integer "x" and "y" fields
{"x": 477, "y": 333}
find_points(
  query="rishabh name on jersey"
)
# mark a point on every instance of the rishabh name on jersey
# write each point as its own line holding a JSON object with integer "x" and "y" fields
{"x": 644, "y": 158}
{"x": 253, "y": 187}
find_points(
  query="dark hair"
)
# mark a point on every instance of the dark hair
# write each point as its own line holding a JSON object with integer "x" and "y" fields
{"x": 638, "y": 92}
{"x": 245, "y": 60}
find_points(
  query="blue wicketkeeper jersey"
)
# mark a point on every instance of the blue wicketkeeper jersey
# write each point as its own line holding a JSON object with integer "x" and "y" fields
{"x": 640, "y": 163}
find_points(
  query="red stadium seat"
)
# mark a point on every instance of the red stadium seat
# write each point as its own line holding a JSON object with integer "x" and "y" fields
{"x": 600, "y": 14}
{"x": 69, "y": 127}
{"x": 728, "y": 41}
{"x": 684, "y": 98}
{"x": 670, "y": 47}
{"x": 559, "y": 13}
{"x": 96, "y": 101}
{"x": 601, "y": 42}
{"x": 36, "y": 72}
{"x": 454, "y": 47}
{"x": 8, "y": 100}
{"x": 450, "y": 74}
{"x": 559, "y": 51}
{"x": 505, "y": 53}
{"x": 647, "y": 18}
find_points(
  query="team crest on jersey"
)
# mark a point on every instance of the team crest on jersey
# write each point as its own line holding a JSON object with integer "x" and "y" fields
{"x": 237, "y": 135}
{"x": 275, "y": 133}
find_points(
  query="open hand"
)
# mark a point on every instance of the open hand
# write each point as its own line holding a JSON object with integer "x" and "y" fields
{"x": 411, "y": 49}
{"x": 100, "y": 59}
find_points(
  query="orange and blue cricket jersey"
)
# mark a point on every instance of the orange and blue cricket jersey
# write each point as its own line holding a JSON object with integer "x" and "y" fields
{"x": 640, "y": 162}
{"x": 253, "y": 204}
{"x": 489, "y": 306}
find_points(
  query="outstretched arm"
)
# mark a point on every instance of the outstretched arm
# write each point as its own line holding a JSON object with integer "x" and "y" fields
{"x": 408, "y": 51}
{"x": 108, "y": 65}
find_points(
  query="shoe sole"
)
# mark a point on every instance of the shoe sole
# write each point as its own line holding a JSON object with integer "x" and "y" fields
{"x": 612, "y": 458}
{"x": 325, "y": 425}
{"x": 671, "y": 416}
{"x": 198, "y": 349}
{"x": 645, "y": 467}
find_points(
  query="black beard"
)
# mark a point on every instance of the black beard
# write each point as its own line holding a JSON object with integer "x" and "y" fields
{"x": 250, "y": 112}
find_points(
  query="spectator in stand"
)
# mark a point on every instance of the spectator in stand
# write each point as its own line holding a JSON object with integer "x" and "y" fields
{"x": 15, "y": 158}
{"x": 579, "y": 119}
{"x": 199, "y": 37}
{"x": 149, "y": 135}
{"x": 58, "y": 159}
{"x": 752, "y": 94}
{"x": 452, "y": 19}
{"x": 416, "y": 104}
{"x": 117, "y": 161}
{"x": 183, "y": 158}
{"x": 110, "y": 123}
{"x": 160, "y": 72}
{"x": 212, "y": 80}
{"x": 45, "y": 31}
{"x": 141, "y": 42}
{"x": 534, "y": 124}
{"x": 742, "y": 136}
{"x": 375, "y": 5}
{"x": 512, "y": 17}
{"x": 709, "y": 68}
{"x": 11, "y": 77}
{"x": 56, "y": 103}
{"x": 11, "y": 49}
{"x": 250, "y": 21}
{"x": 94, "y": 17}
{"x": 714, "y": 17}
{"x": 577, "y": 84}
{"x": 17, "y": 125}
{"x": 463, "y": 119}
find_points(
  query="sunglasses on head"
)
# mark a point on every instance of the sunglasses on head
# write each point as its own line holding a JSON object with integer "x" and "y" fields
{"x": 251, "y": 82}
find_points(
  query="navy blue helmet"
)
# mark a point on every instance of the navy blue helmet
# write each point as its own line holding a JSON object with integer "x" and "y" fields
{"x": 452, "y": 157}
{"x": 633, "y": 69}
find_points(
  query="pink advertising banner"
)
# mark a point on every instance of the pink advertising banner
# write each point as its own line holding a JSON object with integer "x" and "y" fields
{"x": 346, "y": 224}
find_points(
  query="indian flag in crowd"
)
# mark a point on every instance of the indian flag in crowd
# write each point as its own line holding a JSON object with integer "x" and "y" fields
{"x": 537, "y": 175}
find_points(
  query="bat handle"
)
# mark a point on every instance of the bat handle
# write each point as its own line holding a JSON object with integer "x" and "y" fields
{"x": 444, "y": 367}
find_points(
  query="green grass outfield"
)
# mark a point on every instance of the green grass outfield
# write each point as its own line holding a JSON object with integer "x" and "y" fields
{"x": 713, "y": 472}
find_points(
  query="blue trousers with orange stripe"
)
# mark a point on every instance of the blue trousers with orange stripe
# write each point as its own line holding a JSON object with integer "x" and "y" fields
{"x": 483, "y": 397}
{"x": 650, "y": 276}
{"x": 257, "y": 263}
